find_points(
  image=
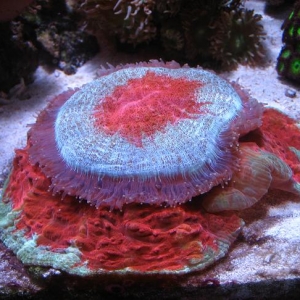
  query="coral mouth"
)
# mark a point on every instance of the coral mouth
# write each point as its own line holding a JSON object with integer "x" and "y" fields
{"x": 146, "y": 105}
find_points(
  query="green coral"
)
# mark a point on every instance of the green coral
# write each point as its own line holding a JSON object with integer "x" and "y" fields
{"x": 237, "y": 38}
{"x": 288, "y": 61}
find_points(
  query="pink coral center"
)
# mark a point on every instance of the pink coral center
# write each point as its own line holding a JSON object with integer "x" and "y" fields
{"x": 146, "y": 105}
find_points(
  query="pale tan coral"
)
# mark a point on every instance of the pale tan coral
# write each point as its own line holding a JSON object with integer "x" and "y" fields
{"x": 259, "y": 171}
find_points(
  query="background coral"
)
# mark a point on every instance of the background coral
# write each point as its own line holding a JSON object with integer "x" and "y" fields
{"x": 217, "y": 33}
{"x": 18, "y": 56}
{"x": 214, "y": 33}
{"x": 288, "y": 61}
{"x": 53, "y": 29}
{"x": 130, "y": 21}
{"x": 237, "y": 38}
{"x": 47, "y": 32}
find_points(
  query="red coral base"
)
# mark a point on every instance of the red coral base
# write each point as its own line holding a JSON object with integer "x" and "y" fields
{"x": 142, "y": 237}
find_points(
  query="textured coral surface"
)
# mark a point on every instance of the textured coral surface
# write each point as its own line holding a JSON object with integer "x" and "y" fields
{"x": 136, "y": 109}
{"x": 141, "y": 238}
{"x": 70, "y": 155}
{"x": 91, "y": 151}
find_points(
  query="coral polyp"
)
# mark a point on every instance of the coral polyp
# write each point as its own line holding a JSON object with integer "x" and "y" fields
{"x": 288, "y": 61}
{"x": 237, "y": 38}
{"x": 130, "y": 21}
{"x": 134, "y": 136}
{"x": 167, "y": 154}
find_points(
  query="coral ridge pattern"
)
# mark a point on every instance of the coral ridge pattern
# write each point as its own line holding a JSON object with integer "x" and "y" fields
{"x": 143, "y": 171}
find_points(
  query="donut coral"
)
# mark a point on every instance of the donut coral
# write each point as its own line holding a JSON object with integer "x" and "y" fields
{"x": 125, "y": 174}
{"x": 144, "y": 129}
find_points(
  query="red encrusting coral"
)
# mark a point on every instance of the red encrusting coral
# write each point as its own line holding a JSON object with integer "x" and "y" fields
{"x": 279, "y": 134}
{"x": 136, "y": 109}
{"x": 143, "y": 238}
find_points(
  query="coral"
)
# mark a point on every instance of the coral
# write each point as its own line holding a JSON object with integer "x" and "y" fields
{"x": 223, "y": 32}
{"x": 237, "y": 38}
{"x": 170, "y": 7}
{"x": 172, "y": 39}
{"x": 288, "y": 61}
{"x": 196, "y": 20}
{"x": 79, "y": 239}
{"x": 260, "y": 170}
{"x": 53, "y": 28}
{"x": 269, "y": 159}
{"x": 68, "y": 49}
{"x": 45, "y": 33}
{"x": 192, "y": 30}
{"x": 134, "y": 128}
{"x": 84, "y": 148}
{"x": 279, "y": 135}
{"x": 130, "y": 21}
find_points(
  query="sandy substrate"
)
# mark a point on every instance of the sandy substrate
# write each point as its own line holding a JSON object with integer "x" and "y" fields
{"x": 269, "y": 247}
